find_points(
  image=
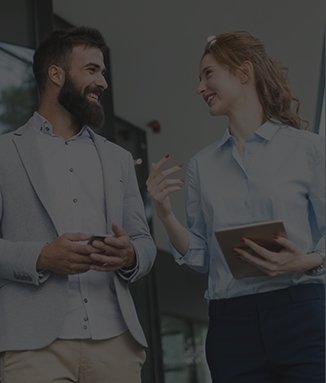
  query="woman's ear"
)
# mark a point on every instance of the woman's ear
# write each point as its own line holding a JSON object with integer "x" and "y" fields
{"x": 56, "y": 75}
{"x": 246, "y": 72}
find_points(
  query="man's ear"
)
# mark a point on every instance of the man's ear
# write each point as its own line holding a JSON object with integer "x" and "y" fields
{"x": 246, "y": 72}
{"x": 56, "y": 75}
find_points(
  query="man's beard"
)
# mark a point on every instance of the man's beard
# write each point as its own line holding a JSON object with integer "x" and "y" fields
{"x": 85, "y": 112}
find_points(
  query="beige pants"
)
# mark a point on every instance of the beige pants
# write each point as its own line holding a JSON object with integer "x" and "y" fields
{"x": 116, "y": 360}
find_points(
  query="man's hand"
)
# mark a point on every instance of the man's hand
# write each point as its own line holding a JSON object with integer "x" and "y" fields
{"x": 114, "y": 253}
{"x": 65, "y": 255}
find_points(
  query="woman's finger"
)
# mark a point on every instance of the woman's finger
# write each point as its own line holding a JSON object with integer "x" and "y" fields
{"x": 163, "y": 185}
{"x": 260, "y": 263}
{"x": 261, "y": 251}
{"x": 288, "y": 245}
{"x": 159, "y": 197}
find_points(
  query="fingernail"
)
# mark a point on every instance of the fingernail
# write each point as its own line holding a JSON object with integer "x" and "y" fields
{"x": 275, "y": 236}
{"x": 243, "y": 239}
{"x": 167, "y": 155}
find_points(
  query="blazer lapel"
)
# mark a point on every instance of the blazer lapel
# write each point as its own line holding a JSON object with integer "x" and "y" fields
{"x": 25, "y": 141}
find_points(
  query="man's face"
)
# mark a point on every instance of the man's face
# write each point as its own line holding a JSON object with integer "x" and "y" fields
{"x": 84, "y": 86}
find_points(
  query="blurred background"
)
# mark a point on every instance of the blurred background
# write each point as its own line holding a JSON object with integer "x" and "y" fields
{"x": 152, "y": 109}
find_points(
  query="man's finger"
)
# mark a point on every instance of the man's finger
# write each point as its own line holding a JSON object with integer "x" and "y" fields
{"x": 82, "y": 248}
{"x": 77, "y": 236}
{"x": 108, "y": 260}
{"x": 118, "y": 231}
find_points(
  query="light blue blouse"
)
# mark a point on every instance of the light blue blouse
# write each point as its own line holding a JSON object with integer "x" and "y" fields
{"x": 280, "y": 177}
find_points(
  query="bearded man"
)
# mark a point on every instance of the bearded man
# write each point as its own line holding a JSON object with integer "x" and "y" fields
{"x": 66, "y": 311}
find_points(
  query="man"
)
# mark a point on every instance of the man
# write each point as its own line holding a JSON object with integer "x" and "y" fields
{"x": 66, "y": 314}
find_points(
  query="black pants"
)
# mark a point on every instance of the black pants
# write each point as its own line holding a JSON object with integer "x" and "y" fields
{"x": 273, "y": 337}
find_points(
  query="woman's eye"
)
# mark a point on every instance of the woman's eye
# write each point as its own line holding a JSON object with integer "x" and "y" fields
{"x": 208, "y": 72}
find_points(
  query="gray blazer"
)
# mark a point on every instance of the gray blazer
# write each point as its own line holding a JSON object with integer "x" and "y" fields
{"x": 31, "y": 310}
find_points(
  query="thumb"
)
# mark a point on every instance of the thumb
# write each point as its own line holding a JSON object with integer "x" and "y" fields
{"x": 77, "y": 236}
{"x": 118, "y": 231}
{"x": 288, "y": 245}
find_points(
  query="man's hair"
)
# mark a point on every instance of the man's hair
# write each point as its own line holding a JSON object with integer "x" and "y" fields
{"x": 56, "y": 49}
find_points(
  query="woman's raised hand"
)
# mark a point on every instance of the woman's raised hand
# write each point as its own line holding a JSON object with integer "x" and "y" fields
{"x": 159, "y": 186}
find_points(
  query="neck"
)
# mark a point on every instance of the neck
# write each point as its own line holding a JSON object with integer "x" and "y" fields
{"x": 246, "y": 117}
{"x": 63, "y": 123}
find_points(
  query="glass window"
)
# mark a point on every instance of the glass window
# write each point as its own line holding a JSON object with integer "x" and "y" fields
{"x": 183, "y": 344}
{"x": 18, "y": 95}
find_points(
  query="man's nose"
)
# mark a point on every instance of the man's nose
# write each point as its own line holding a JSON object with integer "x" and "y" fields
{"x": 101, "y": 81}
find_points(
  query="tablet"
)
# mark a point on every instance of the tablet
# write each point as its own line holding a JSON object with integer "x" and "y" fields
{"x": 261, "y": 233}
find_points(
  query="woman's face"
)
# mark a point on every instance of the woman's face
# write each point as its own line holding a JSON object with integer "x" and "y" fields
{"x": 219, "y": 87}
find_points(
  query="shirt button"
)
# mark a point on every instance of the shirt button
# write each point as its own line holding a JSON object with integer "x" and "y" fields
{"x": 85, "y": 327}
{"x": 66, "y": 143}
{"x": 75, "y": 200}
{"x": 85, "y": 300}
{"x": 71, "y": 170}
{"x": 85, "y": 319}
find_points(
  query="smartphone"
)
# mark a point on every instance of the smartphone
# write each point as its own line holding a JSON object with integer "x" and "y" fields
{"x": 97, "y": 238}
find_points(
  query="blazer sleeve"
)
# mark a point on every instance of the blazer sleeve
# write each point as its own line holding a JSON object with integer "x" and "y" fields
{"x": 135, "y": 224}
{"x": 18, "y": 259}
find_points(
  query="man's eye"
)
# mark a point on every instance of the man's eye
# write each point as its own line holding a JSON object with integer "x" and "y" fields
{"x": 91, "y": 70}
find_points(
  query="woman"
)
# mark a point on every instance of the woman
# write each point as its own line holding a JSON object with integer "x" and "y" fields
{"x": 264, "y": 329}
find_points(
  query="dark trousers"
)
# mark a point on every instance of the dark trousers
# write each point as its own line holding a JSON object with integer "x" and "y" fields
{"x": 273, "y": 337}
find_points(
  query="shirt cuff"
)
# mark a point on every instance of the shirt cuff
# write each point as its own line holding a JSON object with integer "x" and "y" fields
{"x": 195, "y": 257}
{"x": 43, "y": 276}
{"x": 128, "y": 274}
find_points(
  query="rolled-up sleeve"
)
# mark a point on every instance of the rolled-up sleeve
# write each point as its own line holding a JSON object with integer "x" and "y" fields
{"x": 197, "y": 254}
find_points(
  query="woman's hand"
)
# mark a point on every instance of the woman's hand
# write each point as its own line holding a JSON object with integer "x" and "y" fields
{"x": 160, "y": 186}
{"x": 289, "y": 260}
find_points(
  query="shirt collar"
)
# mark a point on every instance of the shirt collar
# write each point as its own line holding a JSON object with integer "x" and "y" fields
{"x": 266, "y": 131}
{"x": 227, "y": 137}
{"x": 44, "y": 126}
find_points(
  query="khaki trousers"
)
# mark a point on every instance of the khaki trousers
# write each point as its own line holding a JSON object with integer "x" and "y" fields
{"x": 116, "y": 360}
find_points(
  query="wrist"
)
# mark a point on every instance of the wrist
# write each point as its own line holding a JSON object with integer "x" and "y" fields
{"x": 131, "y": 262}
{"x": 319, "y": 266}
{"x": 40, "y": 264}
{"x": 166, "y": 218}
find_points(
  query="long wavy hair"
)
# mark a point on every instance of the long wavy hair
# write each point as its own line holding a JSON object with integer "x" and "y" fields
{"x": 274, "y": 93}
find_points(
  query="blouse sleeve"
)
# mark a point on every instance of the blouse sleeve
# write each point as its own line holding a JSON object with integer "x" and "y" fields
{"x": 197, "y": 254}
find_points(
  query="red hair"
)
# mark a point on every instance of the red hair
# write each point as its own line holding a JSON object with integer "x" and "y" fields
{"x": 274, "y": 93}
